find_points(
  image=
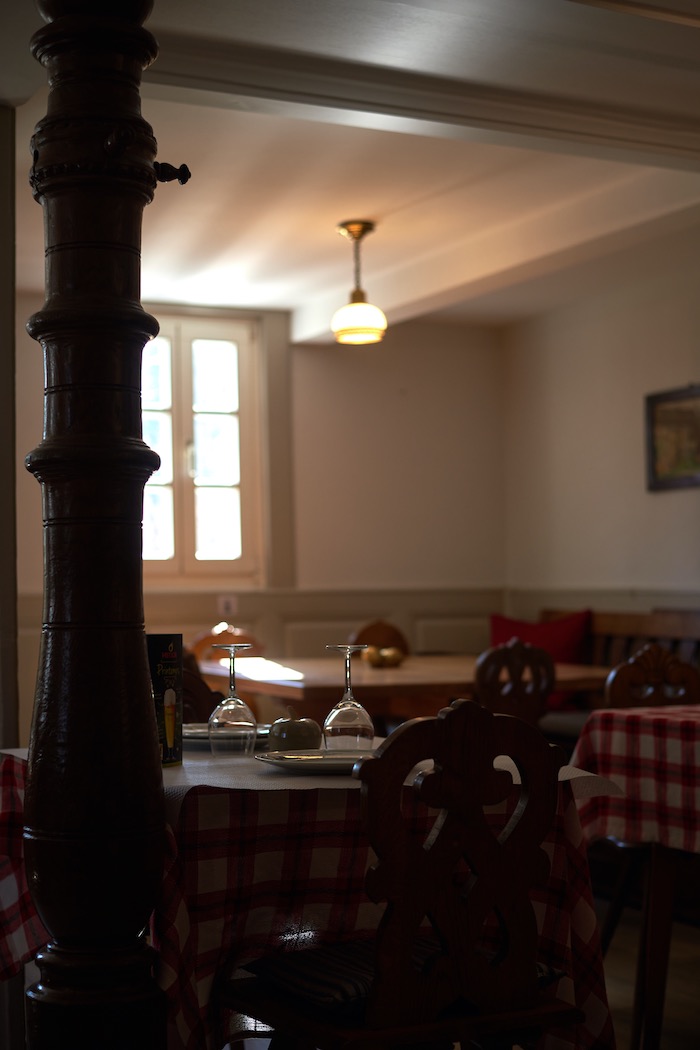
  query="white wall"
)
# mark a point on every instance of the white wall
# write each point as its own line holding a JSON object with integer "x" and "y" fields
{"x": 29, "y": 426}
{"x": 579, "y": 514}
{"x": 398, "y": 460}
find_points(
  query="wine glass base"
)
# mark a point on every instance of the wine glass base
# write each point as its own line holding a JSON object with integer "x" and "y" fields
{"x": 224, "y": 749}
{"x": 345, "y": 740}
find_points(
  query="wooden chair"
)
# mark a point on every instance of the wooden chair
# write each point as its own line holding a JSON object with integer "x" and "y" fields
{"x": 198, "y": 700}
{"x": 514, "y": 679}
{"x": 223, "y": 634}
{"x": 428, "y": 977}
{"x": 654, "y": 676}
{"x": 382, "y": 634}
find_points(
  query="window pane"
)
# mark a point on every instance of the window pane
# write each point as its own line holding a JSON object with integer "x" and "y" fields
{"x": 217, "y": 524}
{"x": 158, "y": 537}
{"x": 156, "y": 384}
{"x": 158, "y": 434}
{"x": 214, "y": 375}
{"x": 217, "y": 450}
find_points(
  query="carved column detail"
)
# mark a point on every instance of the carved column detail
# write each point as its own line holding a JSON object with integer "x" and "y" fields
{"x": 94, "y": 802}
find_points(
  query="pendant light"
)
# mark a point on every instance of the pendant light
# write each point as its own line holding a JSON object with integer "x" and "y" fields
{"x": 358, "y": 322}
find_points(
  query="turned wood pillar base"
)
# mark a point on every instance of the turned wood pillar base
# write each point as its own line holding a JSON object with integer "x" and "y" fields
{"x": 99, "y": 1002}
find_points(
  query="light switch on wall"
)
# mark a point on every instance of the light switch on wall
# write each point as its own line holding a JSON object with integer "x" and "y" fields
{"x": 227, "y": 605}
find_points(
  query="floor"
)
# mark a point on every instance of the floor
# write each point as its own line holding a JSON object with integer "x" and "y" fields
{"x": 682, "y": 1010}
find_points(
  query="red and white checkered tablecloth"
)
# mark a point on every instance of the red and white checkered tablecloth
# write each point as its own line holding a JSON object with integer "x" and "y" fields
{"x": 21, "y": 931}
{"x": 653, "y": 754}
{"x": 249, "y": 870}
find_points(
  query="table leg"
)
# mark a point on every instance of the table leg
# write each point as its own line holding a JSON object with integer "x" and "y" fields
{"x": 12, "y": 1034}
{"x": 654, "y": 945}
{"x": 633, "y": 860}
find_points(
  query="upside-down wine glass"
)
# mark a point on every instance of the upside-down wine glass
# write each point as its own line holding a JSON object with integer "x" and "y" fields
{"x": 348, "y": 726}
{"x": 232, "y": 725}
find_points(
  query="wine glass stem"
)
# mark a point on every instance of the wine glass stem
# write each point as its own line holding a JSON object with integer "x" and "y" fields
{"x": 232, "y": 674}
{"x": 348, "y": 689}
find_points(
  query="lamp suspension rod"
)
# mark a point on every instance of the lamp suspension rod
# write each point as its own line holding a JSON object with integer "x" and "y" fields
{"x": 355, "y": 230}
{"x": 356, "y": 261}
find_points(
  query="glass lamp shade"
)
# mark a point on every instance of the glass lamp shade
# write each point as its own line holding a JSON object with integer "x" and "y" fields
{"x": 358, "y": 323}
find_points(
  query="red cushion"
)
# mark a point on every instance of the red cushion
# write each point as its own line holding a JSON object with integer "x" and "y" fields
{"x": 564, "y": 639}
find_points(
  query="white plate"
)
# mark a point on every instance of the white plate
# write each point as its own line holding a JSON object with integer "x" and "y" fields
{"x": 195, "y": 735}
{"x": 313, "y": 761}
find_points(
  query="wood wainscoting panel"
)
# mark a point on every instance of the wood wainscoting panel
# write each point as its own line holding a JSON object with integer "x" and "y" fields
{"x": 452, "y": 634}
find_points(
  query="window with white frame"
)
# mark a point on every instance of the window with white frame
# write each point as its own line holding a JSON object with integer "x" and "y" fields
{"x": 202, "y": 512}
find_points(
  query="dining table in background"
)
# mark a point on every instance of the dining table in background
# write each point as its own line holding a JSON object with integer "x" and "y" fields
{"x": 653, "y": 755}
{"x": 420, "y": 685}
{"x": 257, "y": 857}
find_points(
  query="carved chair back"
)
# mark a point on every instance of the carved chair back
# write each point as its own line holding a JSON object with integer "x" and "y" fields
{"x": 223, "y": 634}
{"x": 382, "y": 634}
{"x": 198, "y": 700}
{"x": 515, "y": 678}
{"x": 460, "y": 875}
{"x": 653, "y": 676}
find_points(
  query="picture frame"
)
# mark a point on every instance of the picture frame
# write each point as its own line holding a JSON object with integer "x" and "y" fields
{"x": 673, "y": 438}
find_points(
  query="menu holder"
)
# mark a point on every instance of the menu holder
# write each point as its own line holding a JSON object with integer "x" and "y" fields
{"x": 165, "y": 663}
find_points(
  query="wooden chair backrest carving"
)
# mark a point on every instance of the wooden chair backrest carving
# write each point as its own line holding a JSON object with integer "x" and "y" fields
{"x": 457, "y": 943}
{"x": 654, "y": 676}
{"x": 223, "y": 634}
{"x": 382, "y": 634}
{"x": 514, "y": 678}
{"x": 419, "y": 878}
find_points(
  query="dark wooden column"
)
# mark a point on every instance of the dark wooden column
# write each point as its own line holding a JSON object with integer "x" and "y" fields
{"x": 94, "y": 803}
{"x": 9, "y": 707}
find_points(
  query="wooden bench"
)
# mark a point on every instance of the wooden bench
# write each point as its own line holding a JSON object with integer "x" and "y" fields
{"x": 615, "y": 636}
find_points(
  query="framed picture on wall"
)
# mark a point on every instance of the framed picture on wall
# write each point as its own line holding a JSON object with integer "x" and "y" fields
{"x": 673, "y": 438}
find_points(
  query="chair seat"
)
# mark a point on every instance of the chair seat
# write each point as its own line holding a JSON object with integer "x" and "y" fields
{"x": 333, "y": 977}
{"x": 337, "y": 978}
{"x": 566, "y": 724}
{"x": 344, "y": 1026}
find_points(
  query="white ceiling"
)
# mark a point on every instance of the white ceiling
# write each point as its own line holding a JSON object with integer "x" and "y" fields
{"x": 513, "y": 153}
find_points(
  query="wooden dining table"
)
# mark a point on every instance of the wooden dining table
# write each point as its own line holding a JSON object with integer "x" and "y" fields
{"x": 258, "y": 858}
{"x": 420, "y": 685}
{"x": 653, "y": 755}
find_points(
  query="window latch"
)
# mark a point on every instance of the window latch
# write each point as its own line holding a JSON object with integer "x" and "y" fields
{"x": 190, "y": 459}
